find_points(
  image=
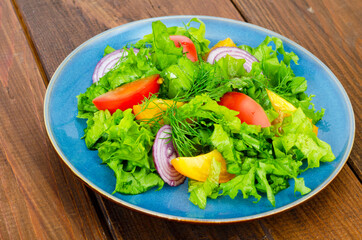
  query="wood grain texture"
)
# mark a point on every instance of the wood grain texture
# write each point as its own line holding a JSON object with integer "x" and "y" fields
{"x": 127, "y": 224}
{"x": 334, "y": 213}
{"x": 39, "y": 198}
{"x": 331, "y": 30}
{"x": 73, "y": 17}
{"x": 57, "y": 27}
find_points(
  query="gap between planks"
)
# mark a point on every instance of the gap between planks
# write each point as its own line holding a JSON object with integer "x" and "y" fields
{"x": 96, "y": 198}
{"x": 30, "y": 42}
{"x": 93, "y": 196}
{"x": 239, "y": 10}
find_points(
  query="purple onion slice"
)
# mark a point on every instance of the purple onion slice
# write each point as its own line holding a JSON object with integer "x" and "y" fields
{"x": 108, "y": 62}
{"x": 220, "y": 52}
{"x": 163, "y": 152}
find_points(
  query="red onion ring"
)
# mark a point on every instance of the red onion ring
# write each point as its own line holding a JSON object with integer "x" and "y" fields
{"x": 163, "y": 152}
{"x": 220, "y": 52}
{"x": 108, "y": 62}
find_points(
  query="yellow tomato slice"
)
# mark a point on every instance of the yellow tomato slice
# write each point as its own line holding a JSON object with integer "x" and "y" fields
{"x": 198, "y": 167}
{"x": 223, "y": 43}
{"x": 153, "y": 108}
{"x": 283, "y": 108}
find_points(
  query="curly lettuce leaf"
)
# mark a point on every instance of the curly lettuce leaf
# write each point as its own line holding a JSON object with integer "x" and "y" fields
{"x": 253, "y": 84}
{"x": 98, "y": 124}
{"x": 128, "y": 69}
{"x": 135, "y": 181}
{"x": 224, "y": 144}
{"x": 179, "y": 77}
{"x": 200, "y": 191}
{"x": 282, "y": 79}
{"x": 125, "y": 146}
{"x": 128, "y": 141}
{"x": 108, "y": 50}
{"x": 203, "y": 107}
{"x": 244, "y": 183}
{"x": 164, "y": 51}
{"x": 197, "y": 35}
{"x": 299, "y": 139}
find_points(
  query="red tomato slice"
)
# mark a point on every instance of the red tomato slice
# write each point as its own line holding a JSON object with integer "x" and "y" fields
{"x": 187, "y": 45}
{"x": 128, "y": 94}
{"x": 249, "y": 110}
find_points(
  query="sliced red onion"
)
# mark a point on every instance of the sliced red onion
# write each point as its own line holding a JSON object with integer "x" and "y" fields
{"x": 220, "y": 52}
{"x": 163, "y": 152}
{"x": 108, "y": 62}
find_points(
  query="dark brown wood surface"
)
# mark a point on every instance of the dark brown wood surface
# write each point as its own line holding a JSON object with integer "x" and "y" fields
{"x": 41, "y": 199}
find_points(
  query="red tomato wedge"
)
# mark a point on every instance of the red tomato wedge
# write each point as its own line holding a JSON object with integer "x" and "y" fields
{"x": 128, "y": 94}
{"x": 187, "y": 45}
{"x": 249, "y": 110}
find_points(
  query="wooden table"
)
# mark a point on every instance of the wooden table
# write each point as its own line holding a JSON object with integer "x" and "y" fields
{"x": 39, "y": 196}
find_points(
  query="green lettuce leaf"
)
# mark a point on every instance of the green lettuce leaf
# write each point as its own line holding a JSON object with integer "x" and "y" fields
{"x": 253, "y": 84}
{"x": 129, "y": 141}
{"x": 200, "y": 191}
{"x": 300, "y": 186}
{"x": 224, "y": 144}
{"x": 125, "y": 146}
{"x": 282, "y": 79}
{"x": 164, "y": 51}
{"x": 203, "y": 107}
{"x": 179, "y": 78}
{"x": 244, "y": 183}
{"x": 197, "y": 35}
{"x": 193, "y": 124}
{"x": 135, "y": 181}
{"x": 98, "y": 124}
{"x": 128, "y": 69}
{"x": 108, "y": 50}
{"x": 299, "y": 139}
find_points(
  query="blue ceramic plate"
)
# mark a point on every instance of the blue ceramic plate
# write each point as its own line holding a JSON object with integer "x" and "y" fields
{"x": 74, "y": 76}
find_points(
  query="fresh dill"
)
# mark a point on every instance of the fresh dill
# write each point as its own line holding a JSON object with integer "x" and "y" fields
{"x": 206, "y": 80}
{"x": 183, "y": 131}
{"x": 155, "y": 120}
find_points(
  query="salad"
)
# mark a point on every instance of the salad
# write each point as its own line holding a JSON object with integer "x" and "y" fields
{"x": 232, "y": 119}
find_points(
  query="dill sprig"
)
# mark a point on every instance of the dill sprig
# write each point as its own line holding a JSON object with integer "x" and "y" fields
{"x": 155, "y": 120}
{"x": 183, "y": 131}
{"x": 205, "y": 81}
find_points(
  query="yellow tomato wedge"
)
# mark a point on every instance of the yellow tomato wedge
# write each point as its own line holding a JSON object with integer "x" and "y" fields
{"x": 223, "y": 43}
{"x": 153, "y": 108}
{"x": 198, "y": 167}
{"x": 283, "y": 108}
{"x": 280, "y": 104}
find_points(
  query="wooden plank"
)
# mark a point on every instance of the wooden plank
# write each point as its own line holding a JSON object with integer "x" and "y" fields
{"x": 129, "y": 224}
{"x": 39, "y": 199}
{"x": 90, "y": 18}
{"x": 331, "y": 30}
{"x": 59, "y": 27}
{"x": 334, "y": 213}
{"x": 53, "y": 34}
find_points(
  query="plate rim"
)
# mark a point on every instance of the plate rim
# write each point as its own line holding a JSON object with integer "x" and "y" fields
{"x": 121, "y": 202}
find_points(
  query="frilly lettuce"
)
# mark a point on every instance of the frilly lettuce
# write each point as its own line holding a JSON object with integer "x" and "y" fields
{"x": 124, "y": 145}
{"x": 264, "y": 160}
{"x": 127, "y": 70}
